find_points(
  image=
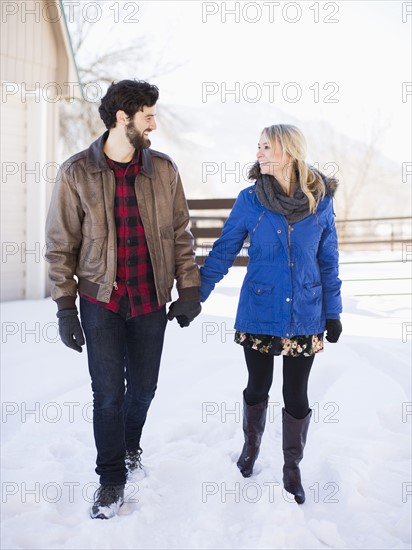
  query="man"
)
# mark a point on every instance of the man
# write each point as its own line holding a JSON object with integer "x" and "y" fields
{"x": 118, "y": 221}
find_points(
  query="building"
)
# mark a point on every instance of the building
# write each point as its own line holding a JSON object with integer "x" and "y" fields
{"x": 37, "y": 71}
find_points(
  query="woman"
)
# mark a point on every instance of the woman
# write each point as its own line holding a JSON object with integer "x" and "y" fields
{"x": 291, "y": 292}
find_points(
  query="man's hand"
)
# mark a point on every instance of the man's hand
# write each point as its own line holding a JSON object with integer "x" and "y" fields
{"x": 184, "y": 312}
{"x": 70, "y": 330}
{"x": 334, "y": 329}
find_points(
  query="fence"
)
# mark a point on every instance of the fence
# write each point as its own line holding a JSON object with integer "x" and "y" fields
{"x": 209, "y": 215}
{"x": 360, "y": 235}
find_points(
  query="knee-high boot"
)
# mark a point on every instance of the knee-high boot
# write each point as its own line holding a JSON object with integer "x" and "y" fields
{"x": 294, "y": 439}
{"x": 254, "y": 420}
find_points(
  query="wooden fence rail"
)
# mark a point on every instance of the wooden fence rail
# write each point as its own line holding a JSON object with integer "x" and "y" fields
{"x": 372, "y": 234}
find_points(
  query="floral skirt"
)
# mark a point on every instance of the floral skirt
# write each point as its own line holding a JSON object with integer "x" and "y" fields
{"x": 306, "y": 345}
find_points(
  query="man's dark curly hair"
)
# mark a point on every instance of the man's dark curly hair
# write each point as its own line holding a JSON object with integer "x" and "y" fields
{"x": 129, "y": 96}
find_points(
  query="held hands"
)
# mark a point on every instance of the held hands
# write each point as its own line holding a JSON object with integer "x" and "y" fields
{"x": 70, "y": 330}
{"x": 333, "y": 330}
{"x": 184, "y": 312}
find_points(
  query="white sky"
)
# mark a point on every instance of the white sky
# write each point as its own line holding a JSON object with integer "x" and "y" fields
{"x": 367, "y": 53}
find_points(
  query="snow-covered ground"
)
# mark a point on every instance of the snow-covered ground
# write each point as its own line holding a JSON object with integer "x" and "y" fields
{"x": 356, "y": 470}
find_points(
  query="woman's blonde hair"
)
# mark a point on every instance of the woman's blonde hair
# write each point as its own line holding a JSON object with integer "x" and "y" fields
{"x": 293, "y": 143}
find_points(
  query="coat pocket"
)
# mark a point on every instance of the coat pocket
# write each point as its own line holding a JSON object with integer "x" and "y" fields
{"x": 94, "y": 248}
{"x": 95, "y": 231}
{"x": 261, "y": 289}
{"x": 167, "y": 232}
{"x": 263, "y": 307}
{"x": 313, "y": 288}
{"x": 312, "y": 305}
{"x": 167, "y": 235}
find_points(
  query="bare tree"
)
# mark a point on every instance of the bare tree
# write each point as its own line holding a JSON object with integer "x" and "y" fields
{"x": 361, "y": 164}
{"x": 97, "y": 68}
{"x": 359, "y": 170}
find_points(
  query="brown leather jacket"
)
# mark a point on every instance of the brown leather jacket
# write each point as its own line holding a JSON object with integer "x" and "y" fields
{"x": 81, "y": 236}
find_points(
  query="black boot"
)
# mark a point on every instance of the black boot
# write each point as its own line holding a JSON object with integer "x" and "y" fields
{"x": 135, "y": 469}
{"x": 107, "y": 501}
{"x": 295, "y": 431}
{"x": 254, "y": 419}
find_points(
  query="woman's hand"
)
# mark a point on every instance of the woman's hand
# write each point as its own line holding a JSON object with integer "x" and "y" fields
{"x": 333, "y": 330}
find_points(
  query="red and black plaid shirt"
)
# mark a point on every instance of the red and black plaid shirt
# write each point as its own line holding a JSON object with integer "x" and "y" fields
{"x": 135, "y": 277}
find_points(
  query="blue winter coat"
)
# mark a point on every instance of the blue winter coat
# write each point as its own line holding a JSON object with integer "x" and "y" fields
{"x": 292, "y": 285}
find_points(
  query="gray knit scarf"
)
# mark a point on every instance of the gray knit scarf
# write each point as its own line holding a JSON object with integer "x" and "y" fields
{"x": 272, "y": 195}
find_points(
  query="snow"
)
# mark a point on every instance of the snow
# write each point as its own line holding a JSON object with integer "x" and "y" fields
{"x": 356, "y": 469}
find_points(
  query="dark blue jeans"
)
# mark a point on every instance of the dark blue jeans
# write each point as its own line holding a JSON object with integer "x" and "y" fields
{"x": 124, "y": 358}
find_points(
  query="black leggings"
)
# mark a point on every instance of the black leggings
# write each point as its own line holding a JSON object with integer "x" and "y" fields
{"x": 296, "y": 372}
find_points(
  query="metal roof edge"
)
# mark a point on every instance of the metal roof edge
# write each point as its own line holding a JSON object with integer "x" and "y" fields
{"x": 68, "y": 43}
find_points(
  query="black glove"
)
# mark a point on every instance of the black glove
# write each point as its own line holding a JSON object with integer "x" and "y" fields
{"x": 70, "y": 330}
{"x": 184, "y": 312}
{"x": 334, "y": 328}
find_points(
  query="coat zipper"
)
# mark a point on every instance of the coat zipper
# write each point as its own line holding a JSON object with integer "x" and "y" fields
{"x": 258, "y": 222}
{"x": 291, "y": 276}
{"x": 289, "y": 230}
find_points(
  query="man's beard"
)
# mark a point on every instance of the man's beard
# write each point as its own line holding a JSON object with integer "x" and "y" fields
{"x": 136, "y": 138}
